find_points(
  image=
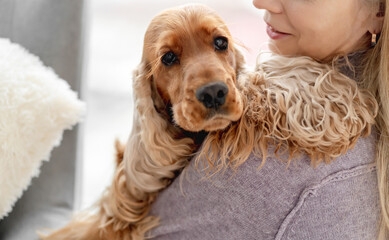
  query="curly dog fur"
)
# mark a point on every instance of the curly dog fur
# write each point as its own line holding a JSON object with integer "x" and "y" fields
{"x": 294, "y": 104}
{"x": 298, "y": 106}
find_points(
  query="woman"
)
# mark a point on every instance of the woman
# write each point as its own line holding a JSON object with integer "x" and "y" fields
{"x": 340, "y": 200}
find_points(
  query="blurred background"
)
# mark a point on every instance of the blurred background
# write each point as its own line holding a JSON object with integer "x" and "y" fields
{"x": 114, "y": 42}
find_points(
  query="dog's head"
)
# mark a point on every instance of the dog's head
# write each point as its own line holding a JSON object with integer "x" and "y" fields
{"x": 191, "y": 64}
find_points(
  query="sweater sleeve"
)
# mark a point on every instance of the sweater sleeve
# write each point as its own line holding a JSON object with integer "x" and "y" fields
{"x": 342, "y": 206}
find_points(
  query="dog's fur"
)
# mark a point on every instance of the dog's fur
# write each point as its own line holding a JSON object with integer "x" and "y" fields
{"x": 295, "y": 104}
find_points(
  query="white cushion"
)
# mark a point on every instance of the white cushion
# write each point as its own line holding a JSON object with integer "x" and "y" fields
{"x": 36, "y": 106}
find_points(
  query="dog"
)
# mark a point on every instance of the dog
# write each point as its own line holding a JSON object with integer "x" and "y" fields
{"x": 184, "y": 87}
{"x": 192, "y": 88}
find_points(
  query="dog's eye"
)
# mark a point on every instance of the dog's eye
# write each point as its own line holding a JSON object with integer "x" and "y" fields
{"x": 169, "y": 59}
{"x": 220, "y": 43}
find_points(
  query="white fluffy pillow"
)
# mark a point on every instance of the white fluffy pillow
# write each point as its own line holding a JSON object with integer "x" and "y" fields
{"x": 36, "y": 106}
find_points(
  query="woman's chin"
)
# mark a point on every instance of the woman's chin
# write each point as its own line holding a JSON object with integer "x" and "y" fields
{"x": 281, "y": 49}
{"x": 278, "y": 48}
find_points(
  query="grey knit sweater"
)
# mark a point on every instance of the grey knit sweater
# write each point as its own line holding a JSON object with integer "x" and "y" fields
{"x": 334, "y": 201}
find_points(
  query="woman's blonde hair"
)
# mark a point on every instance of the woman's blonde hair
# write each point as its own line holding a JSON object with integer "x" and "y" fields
{"x": 375, "y": 78}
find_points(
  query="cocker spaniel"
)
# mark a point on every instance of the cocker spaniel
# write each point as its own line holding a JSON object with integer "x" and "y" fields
{"x": 185, "y": 86}
{"x": 191, "y": 80}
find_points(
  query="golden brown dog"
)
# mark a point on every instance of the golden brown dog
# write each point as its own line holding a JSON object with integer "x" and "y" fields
{"x": 185, "y": 83}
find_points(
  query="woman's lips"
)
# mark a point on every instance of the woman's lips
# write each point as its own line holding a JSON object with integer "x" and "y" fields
{"x": 274, "y": 34}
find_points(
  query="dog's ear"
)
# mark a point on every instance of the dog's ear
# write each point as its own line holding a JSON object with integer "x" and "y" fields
{"x": 151, "y": 157}
{"x": 152, "y": 153}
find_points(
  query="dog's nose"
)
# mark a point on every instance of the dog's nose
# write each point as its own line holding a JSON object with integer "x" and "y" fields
{"x": 212, "y": 95}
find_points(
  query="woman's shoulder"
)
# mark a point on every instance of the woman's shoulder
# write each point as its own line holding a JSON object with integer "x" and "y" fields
{"x": 344, "y": 205}
{"x": 253, "y": 203}
{"x": 341, "y": 203}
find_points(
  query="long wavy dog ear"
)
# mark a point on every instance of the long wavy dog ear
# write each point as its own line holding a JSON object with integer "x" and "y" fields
{"x": 152, "y": 150}
{"x": 151, "y": 157}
